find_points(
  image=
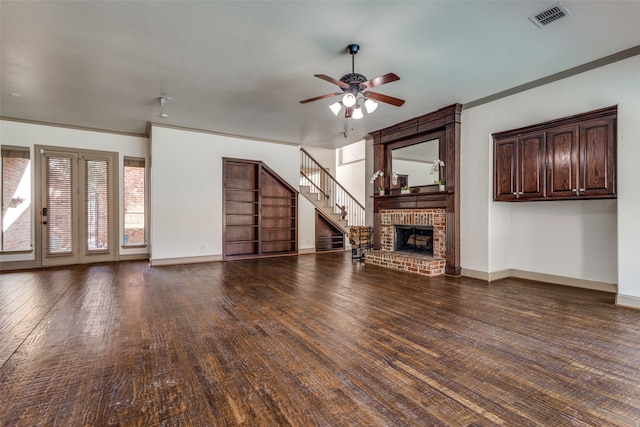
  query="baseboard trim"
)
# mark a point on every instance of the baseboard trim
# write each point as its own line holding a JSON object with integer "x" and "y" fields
{"x": 158, "y": 262}
{"x": 540, "y": 277}
{"x": 486, "y": 276}
{"x": 304, "y": 251}
{"x": 566, "y": 281}
{"x": 500, "y": 274}
{"x": 475, "y": 274}
{"x": 628, "y": 301}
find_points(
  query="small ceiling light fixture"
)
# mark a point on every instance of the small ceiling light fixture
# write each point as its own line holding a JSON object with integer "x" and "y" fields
{"x": 355, "y": 91}
{"x": 164, "y": 100}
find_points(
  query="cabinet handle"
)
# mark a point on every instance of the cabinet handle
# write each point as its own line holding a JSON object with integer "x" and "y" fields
{"x": 582, "y": 190}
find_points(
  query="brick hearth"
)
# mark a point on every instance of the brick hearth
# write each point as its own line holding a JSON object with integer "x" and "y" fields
{"x": 415, "y": 263}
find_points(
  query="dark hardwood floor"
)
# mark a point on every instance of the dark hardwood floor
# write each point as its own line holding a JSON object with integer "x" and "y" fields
{"x": 313, "y": 340}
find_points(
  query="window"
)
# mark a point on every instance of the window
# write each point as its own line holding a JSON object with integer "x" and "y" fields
{"x": 134, "y": 202}
{"x": 16, "y": 200}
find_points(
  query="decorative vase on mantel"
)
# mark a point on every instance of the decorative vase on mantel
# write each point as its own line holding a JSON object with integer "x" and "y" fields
{"x": 441, "y": 186}
{"x": 381, "y": 191}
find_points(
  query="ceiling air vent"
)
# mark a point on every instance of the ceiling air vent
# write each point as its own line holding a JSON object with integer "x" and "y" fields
{"x": 549, "y": 15}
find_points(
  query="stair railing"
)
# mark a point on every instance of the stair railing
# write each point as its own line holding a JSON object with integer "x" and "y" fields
{"x": 337, "y": 197}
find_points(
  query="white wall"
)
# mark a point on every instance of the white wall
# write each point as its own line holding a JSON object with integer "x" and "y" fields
{"x": 325, "y": 156}
{"x": 186, "y": 188}
{"x": 590, "y": 240}
{"x": 350, "y": 169}
{"x": 30, "y": 134}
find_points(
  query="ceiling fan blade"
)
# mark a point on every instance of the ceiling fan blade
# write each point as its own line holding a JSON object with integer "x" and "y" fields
{"x": 385, "y": 98}
{"x": 380, "y": 80}
{"x": 332, "y": 80}
{"x": 329, "y": 95}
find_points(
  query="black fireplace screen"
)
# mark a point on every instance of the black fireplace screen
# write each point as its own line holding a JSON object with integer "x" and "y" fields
{"x": 414, "y": 238}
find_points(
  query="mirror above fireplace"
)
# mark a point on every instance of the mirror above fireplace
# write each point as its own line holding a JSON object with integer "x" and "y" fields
{"x": 412, "y": 163}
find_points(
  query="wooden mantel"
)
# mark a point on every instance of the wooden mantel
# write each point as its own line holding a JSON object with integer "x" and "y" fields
{"x": 443, "y": 124}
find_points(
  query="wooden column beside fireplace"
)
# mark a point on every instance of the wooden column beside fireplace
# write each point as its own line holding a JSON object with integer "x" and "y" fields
{"x": 444, "y": 126}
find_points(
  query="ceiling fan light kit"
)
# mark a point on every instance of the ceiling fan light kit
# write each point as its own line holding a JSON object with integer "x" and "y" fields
{"x": 354, "y": 88}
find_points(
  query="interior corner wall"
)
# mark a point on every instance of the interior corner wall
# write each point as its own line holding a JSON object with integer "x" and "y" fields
{"x": 186, "y": 187}
{"x": 591, "y": 239}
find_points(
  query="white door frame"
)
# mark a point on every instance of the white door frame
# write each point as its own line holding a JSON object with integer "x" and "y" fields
{"x": 80, "y": 253}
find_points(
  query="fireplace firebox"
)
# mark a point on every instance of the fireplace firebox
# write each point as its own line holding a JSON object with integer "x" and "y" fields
{"x": 416, "y": 239}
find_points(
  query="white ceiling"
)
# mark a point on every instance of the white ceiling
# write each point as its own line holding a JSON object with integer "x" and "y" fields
{"x": 241, "y": 67}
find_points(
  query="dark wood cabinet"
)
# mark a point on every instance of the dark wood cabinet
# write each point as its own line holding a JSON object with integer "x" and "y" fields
{"x": 562, "y": 158}
{"x": 568, "y": 158}
{"x": 597, "y": 158}
{"x": 519, "y": 167}
{"x": 260, "y": 211}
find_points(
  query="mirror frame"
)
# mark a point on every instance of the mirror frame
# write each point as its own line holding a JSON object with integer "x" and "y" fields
{"x": 439, "y": 135}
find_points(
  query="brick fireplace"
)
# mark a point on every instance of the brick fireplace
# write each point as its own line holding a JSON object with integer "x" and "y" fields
{"x": 413, "y": 262}
{"x": 426, "y": 204}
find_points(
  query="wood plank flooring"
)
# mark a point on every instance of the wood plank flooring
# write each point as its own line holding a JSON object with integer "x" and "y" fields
{"x": 313, "y": 340}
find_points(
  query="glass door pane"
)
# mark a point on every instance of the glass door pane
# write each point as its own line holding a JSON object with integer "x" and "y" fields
{"x": 97, "y": 204}
{"x": 58, "y": 233}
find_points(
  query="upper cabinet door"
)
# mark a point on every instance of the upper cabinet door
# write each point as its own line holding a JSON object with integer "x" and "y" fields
{"x": 562, "y": 158}
{"x": 531, "y": 176}
{"x": 519, "y": 166}
{"x": 597, "y": 158}
{"x": 505, "y": 166}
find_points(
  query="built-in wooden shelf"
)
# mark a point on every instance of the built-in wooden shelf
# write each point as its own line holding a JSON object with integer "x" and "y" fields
{"x": 260, "y": 211}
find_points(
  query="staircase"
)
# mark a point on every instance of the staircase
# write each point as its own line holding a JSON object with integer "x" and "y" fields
{"x": 328, "y": 196}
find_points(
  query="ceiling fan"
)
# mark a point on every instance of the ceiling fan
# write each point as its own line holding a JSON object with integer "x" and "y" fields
{"x": 355, "y": 87}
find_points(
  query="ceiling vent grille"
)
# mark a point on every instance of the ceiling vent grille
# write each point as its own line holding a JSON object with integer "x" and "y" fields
{"x": 549, "y": 15}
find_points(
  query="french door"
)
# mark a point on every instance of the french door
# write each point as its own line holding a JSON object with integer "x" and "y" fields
{"x": 78, "y": 219}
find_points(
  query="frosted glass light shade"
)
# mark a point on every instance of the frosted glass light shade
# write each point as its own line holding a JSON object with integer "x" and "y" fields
{"x": 370, "y": 105}
{"x": 335, "y": 108}
{"x": 357, "y": 113}
{"x": 349, "y": 100}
